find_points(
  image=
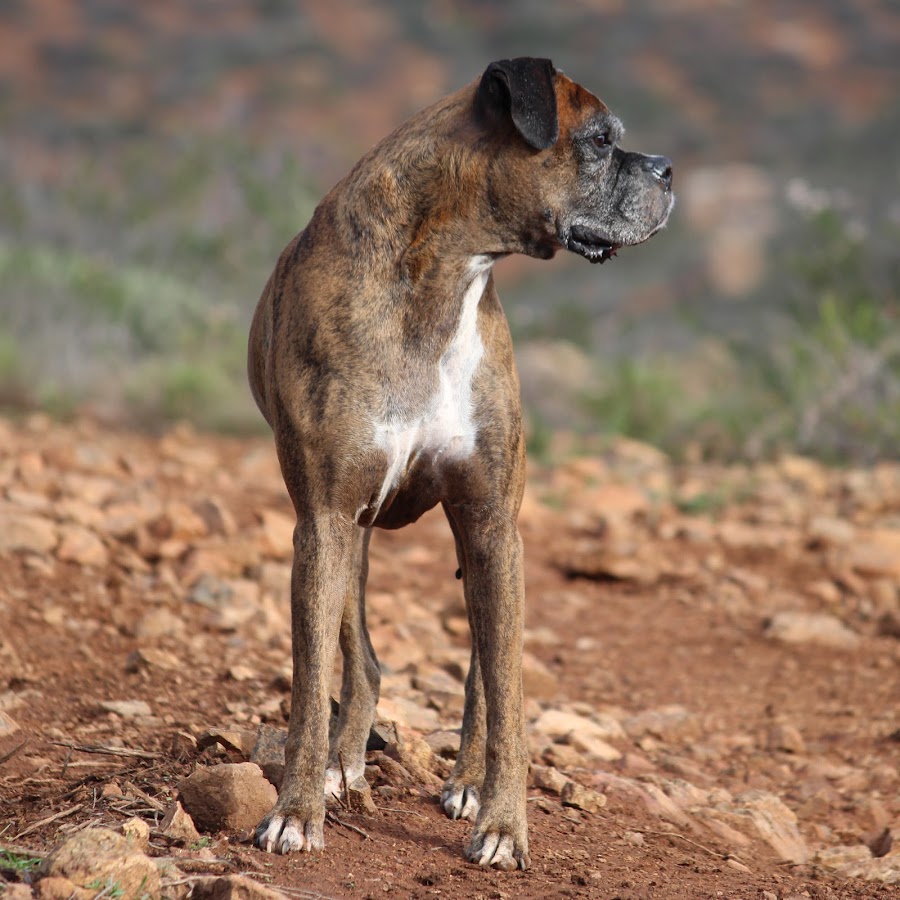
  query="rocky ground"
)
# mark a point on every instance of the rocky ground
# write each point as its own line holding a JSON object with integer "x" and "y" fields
{"x": 712, "y": 672}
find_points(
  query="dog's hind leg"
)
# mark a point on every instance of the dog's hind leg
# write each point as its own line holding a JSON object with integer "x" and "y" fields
{"x": 325, "y": 547}
{"x": 361, "y": 682}
{"x": 460, "y": 796}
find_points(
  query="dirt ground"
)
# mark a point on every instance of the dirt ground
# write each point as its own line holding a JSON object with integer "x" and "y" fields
{"x": 728, "y": 637}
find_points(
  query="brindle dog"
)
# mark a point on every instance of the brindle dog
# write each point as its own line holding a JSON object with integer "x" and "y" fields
{"x": 381, "y": 358}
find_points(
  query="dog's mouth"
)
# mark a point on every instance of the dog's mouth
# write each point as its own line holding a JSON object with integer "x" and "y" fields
{"x": 592, "y": 246}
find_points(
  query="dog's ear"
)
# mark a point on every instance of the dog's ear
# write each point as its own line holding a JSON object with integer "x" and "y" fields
{"x": 521, "y": 88}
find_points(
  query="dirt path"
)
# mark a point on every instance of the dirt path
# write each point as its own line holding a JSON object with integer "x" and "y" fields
{"x": 712, "y": 652}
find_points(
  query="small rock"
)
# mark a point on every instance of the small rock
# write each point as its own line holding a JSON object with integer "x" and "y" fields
{"x": 228, "y": 797}
{"x": 395, "y": 774}
{"x": 241, "y": 673}
{"x": 359, "y": 797}
{"x": 594, "y": 747}
{"x": 417, "y": 758}
{"x": 177, "y": 825}
{"x": 559, "y": 724}
{"x": 184, "y": 745}
{"x": 579, "y": 797}
{"x": 10, "y": 735}
{"x": 829, "y": 530}
{"x": 276, "y": 535}
{"x": 232, "y": 887}
{"x": 241, "y": 741}
{"x": 137, "y": 831}
{"x": 100, "y": 856}
{"x": 444, "y": 743}
{"x": 548, "y": 778}
{"x": 877, "y": 553}
{"x": 635, "y": 838}
{"x": 16, "y": 891}
{"x": 786, "y": 738}
{"x": 158, "y": 623}
{"x": 820, "y": 629}
{"x": 82, "y": 546}
{"x": 738, "y": 866}
{"x": 145, "y": 658}
{"x": 538, "y": 680}
{"x": 771, "y": 820}
{"x": 32, "y": 534}
{"x": 54, "y": 887}
{"x": 838, "y": 857}
{"x": 111, "y": 790}
{"x": 884, "y": 871}
{"x": 408, "y": 712}
{"x": 268, "y": 752}
{"x": 127, "y": 709}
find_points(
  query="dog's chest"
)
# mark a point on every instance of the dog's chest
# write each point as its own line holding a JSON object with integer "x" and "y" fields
{"x": 443, "y": 428}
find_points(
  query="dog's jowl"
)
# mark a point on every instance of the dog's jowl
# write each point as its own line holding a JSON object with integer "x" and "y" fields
{"x": 381, "y": 358}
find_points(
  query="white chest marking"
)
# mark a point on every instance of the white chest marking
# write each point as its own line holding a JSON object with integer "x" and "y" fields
{"x": 444, "y": 428}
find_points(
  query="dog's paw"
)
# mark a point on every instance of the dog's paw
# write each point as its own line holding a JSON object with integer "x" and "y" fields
{"x": 460, "y": 801}
{"x": 288, "y": 834}
{"x": 501, "y": 851}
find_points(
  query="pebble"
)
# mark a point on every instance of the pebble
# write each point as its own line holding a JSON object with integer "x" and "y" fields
{"x": 580, "y": 797}
{"x": 786, "y": 738}
{"x": 82, "y": 546}
{"x": 820, "y": 629}
{"x": 232, "y": 887}
{"x": 33, "y": 534}
{"x": 178, "y": 826}
{"x": 359, "y": 797}
{"x": 137, "y": 831}
{"x": 557, "y": 723}
{"x": 127, "y": 709}
{"x": 549, "y": 779}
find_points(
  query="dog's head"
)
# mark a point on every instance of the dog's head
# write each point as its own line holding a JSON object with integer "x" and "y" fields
{"x": 574, "y": 186}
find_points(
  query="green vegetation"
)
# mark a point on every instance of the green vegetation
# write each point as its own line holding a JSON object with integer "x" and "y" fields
{"x": 130, "y": 291}
{"x": 16, "y": 861}
{"x": 129, "y": 294}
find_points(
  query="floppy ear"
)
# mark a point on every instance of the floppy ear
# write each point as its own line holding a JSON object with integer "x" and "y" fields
{"x": 523, "y": 89}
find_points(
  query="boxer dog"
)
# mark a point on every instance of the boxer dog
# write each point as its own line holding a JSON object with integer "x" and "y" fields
{"x": 381, "y": 358}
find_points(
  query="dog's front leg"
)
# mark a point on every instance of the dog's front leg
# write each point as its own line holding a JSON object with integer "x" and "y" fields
{"x": 495, "y": 594}
{"x": 325, "y": 546}
{"x": 460, "y": 797}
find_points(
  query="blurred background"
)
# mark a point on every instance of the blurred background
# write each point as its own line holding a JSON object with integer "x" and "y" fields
{"x": 156, "y": 157}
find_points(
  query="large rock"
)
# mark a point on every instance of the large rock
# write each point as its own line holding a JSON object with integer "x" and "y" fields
{"x": 98, "y": 856}
{"x": 229, "y": 797}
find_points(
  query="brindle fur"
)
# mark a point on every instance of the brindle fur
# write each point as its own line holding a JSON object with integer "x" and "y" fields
{"x": 349, "y": 331}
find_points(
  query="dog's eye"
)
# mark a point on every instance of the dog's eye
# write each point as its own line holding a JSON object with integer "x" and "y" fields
{"x": 602, "y": 140}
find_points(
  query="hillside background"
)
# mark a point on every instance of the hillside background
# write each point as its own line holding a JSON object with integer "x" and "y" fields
{"x": 155, "y": 158}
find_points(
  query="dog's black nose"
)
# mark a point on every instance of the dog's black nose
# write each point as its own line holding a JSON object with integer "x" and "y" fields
{"x": 660, "y": 167}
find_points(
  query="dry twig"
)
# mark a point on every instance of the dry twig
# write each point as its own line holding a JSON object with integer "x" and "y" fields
{"x": 109, "y": 751}
{"x": 333, "y": 818}
{"x": 49, "y": 819}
